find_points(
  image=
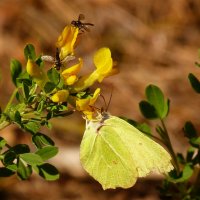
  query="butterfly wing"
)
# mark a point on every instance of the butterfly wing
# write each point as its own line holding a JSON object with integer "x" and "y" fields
{"x": 148, "y": 155}
{"x": 104, "y": 156}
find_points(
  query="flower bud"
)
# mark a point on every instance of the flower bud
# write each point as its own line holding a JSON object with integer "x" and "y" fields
{"x": 60, "y": 96}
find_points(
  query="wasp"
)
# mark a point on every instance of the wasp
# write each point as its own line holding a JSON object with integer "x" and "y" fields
{"x": 81, "y": 25}
{"x": 58, "y": 63}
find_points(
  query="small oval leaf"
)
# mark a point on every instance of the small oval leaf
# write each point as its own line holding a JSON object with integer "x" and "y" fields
{"x": 47, "y": 152}
{"x": 31, "y": 158}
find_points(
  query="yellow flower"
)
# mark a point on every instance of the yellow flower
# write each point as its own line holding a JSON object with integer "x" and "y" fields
{"x": 66, "y": 41}
{"x": 104, "y": 68}
{"x": 87, "y": 105}
{"x": 36, "y": 72}
{"x": 69, "y": 74}
{"x": 60, "y": 96}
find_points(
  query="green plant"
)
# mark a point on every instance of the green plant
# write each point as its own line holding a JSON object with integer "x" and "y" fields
{"x": 42, "y": 94}
{"x": 184, "y": 181}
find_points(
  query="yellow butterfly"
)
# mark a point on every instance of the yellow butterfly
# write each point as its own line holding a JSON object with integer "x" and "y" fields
{"x": 115, "y": 153}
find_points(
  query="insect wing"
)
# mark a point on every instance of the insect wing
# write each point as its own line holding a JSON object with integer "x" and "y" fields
{"x": 48, "y": 58}
{"x": 148, "y": 155}
{"x": 116, "y": 154}
{"x": 104, "y": 156}
{"x": 81, "y": 17}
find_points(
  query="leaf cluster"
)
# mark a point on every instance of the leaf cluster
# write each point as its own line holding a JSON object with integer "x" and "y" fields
{"x": 184, "y": 181}
{"x": 31, "y": 109}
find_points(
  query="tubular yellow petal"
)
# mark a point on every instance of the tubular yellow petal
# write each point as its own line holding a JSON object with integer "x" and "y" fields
{"x": 69, "y": 74}
{"x": 66, "y": 41}
{"x": 95, "y": 96}
{"x": 101, "y": 57}
{"x": 74, "y": 69}
{"x": 70, "y": 80}
{"x": 82, "y": 104}
{"x": 60, "y": 96}
{"x": 38, "y": 75}
{"x": 104, "y": 68}
{"x": 87, "y": 105}
{"x": 84, "y": 82}
{"x": 33, "y": 69}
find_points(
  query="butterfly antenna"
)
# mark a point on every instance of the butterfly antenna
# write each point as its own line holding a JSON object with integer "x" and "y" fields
{"x": 105, "y": 104}
{"x": 109, "y": 100}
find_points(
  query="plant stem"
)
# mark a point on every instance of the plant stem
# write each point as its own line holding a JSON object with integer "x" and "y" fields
{"x": 3, "y": 122}
{"x": 197, "y": 181}
{"x": 170, "y": 148}
{"x": 10, "y": 100}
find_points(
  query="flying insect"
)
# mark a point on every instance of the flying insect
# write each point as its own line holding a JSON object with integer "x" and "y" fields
{"x": 81, "y": 25}
{"x": 58, "y": 63}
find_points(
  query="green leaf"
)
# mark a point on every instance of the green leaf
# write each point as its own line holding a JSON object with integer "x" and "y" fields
{"x": 39, "y": 61}
{"x": 31, "y": 158}
{"x": 194, "y": 82}
{"x": 53, "y": 75}
{"x": 180, "y": 158}
{"x": 40, "y": 140}
{"x": 61, "y": 83}
{"x": 185, "y": 175}
{"x": 47, "y": 152}
{"x": 190, "y": 154}
{"x": 2, "y": 143}
{"x": 29, "y": 52}
{"x": 12, "y": 167}
{"x": 17, "y": 117}
{"x": 16, "y": 70}
{"x": 23, "y": 171}
{"x": 196, "y": 159}
{"x": 48, "y": 172}
{"x": 49, "y": 87}
{"x": 20, "y": 149}
{"x": 156, "y": 98}
{"x": 32, "y": 126}
{"x": 19, "y": 97}
{"x": 25, "y": 89}
{"x": 41, "y": 106}
{"x": 197, "y": 64}
{"x": 195, "y": 142}
{"x": 189, "y": 130}
{"x": 9, "y": 157}
{"x": 4, "y": 172}
{"x": 148, "y": 110}
{"x": 142, "y": 127}
{"x": 25, "y": 80}
{"x": 161, "y": 132}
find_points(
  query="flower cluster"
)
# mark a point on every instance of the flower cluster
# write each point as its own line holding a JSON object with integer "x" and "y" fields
{"x": 74, "y": 89}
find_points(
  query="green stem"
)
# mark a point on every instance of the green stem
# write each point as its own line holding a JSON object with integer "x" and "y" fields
{"x": 3, "y": 122}
{"x": 197, "y": 181}
{"x": 170, "y": 148}
{"x": 10, "y": 100}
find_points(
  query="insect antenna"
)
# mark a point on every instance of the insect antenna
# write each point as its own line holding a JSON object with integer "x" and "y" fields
{"x": 106, "y": 104}
{"x": 109, "y": 100}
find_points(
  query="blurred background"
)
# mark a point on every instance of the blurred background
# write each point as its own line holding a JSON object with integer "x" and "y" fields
{"x": 153, "y": 42}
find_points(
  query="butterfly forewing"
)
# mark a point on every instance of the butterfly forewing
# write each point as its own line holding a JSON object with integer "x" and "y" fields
{"x": 104, "y": 157}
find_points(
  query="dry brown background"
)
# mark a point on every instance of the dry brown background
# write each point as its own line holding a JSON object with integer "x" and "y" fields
{"x": 153, "y": 41}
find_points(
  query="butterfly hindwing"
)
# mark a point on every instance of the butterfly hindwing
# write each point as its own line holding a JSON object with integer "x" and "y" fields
{"x": 147, "y": 154}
